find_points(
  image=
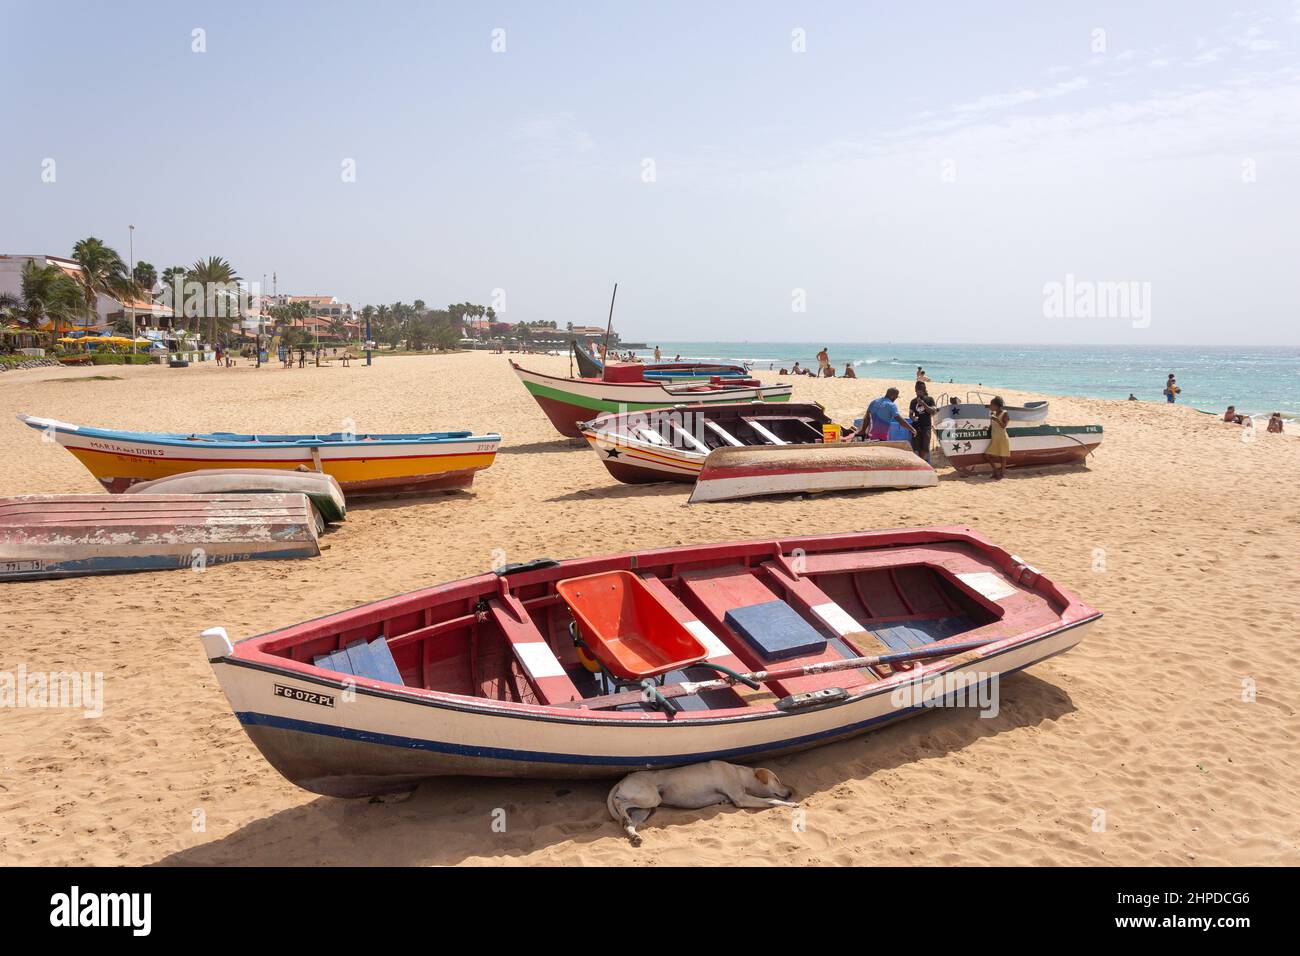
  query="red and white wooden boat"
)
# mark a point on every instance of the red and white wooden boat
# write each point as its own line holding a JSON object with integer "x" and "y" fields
{"x": 748, "y": 449}
{"x": 964, "y": 445}
{"x": 55, "y": 536}
{"x": 599, "y": 666}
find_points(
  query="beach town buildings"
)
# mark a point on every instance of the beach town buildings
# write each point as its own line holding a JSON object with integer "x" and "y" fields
{"x": 108, "y": 309}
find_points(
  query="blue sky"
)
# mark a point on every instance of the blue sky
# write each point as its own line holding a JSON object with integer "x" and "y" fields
{"x": 918, "y": 172}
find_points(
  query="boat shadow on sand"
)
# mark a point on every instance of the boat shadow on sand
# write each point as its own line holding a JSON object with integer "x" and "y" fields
{"x": 451, "y": 821}
{"x": 543, "y": 447}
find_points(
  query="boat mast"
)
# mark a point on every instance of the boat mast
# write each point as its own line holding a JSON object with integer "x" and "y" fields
{"x": 610, "y": 325}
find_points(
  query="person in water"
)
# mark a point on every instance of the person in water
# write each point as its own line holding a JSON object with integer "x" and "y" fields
{"x": 921, "y": 412}
{"x": 1275, "y": 424}
{"x": 659, "y": 356}
{"x": 881, "y": 414}
{"x": 999, "y": 449}
{"x": 1171, "y": 389}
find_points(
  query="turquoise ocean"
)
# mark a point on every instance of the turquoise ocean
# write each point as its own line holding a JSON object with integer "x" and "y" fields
{"x": 1257, "y": 380}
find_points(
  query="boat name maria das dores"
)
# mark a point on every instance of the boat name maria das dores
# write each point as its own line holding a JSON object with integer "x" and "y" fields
{"x": 125, "y": 450}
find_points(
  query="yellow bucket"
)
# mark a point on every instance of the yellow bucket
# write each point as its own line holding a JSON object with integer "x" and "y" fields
{"x": 830, "y": 433}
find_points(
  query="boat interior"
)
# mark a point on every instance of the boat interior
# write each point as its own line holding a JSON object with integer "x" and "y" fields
{"x": 726, "y": 426}
{"x": 564, "y": 634}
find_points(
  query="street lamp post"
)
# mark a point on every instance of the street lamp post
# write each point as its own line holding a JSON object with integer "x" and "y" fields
{"x": 131, "y": 242}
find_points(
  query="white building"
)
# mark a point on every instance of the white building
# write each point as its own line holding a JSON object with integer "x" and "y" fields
{"x": 107, "y": 308}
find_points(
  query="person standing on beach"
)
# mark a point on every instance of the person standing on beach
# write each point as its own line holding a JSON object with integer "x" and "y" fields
{"x": 999, "y": 449}
{"x": 658, "y": 355}
{"x": 880, "y": 414}
{"x": 1171, "y": 389}
{"x": 824, "y": 363}
{"x": 921, "y": 411}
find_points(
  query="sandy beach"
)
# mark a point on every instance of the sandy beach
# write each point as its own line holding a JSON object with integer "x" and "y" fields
{"x": 1176, "y": 717}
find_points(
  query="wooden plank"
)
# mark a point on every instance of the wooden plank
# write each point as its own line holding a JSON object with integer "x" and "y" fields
{"x": 763, "y": 430}
{"x": 545, "y": 672}
{"x": 722, "y": 433}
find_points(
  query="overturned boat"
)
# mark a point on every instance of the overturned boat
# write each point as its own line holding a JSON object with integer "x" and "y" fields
{"x": 595, "y": 667}
{"x": 56, "y": 536}
{"x": 322, "y": 490}
{"x": 748, "y": 449}
{"x": 568, "y": 401}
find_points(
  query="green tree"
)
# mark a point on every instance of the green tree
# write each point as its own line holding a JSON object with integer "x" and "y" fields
{"x": 102, "y": 271}
{"x": 146, "y": 277}
{"x": 50, "y": 294}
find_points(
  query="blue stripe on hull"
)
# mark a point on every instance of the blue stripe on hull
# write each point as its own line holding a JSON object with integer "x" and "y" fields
{"x": 528, "y": 756}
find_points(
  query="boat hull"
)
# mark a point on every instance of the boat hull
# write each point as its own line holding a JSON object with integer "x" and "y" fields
{"x": 388, "y": 745}
{"x": 566, "y": 401}
{"x": 55, "y": 536}
{"x": 323, "y": 491}
{"x": 363, "y": 468}
{"x": 973, "y": 414}
{"x": 1030, "y": 446}
{"x": 731, "y": 473}
{"x": 349, "y": 731}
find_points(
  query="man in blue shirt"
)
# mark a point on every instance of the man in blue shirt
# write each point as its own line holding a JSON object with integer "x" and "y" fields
{"x": 881, "y": 413}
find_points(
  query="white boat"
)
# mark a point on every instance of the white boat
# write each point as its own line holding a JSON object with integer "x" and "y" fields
{"x": 953, "y": 410}
{"x": 321, "y": 489}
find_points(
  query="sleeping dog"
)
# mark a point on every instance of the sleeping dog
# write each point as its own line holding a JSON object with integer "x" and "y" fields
{"x": 635, "y": 797}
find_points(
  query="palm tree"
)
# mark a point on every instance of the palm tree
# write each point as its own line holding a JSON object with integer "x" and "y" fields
{"x": 50, "y": 293}
{"x": 102, "y": 272}
{"x": 145, "y": 276}
{"x": 218, "y": 278}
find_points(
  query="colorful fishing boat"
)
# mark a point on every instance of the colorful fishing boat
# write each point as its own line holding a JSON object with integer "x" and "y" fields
{"x": 322, "y": 490}
{"x": 595, "y": 667}
{"x": 964, "y": 444}
{"x": 589, "y": 366}
{"x": 748, "y": 450}
{"x": 55, "y": 536}
{"x": 568, "y": 401}
{"x": 364, "y": 465}
{"x": 672, "y": 444}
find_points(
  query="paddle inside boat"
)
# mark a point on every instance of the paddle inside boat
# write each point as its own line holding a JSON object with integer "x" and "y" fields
{"x": 600, "y": 666}
{"x": 376, "y": 465}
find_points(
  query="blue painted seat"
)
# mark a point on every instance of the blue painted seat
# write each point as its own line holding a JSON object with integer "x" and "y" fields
{"x": 776, "y": 631}
{"x": 907, "y": 635}
{"x": 360, "y": 659}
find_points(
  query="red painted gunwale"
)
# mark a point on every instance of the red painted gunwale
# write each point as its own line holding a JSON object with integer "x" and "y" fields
{"x": 1012, "y": 629}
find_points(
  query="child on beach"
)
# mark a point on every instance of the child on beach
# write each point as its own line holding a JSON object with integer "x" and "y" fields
{"x": 999, "y": 449}
{"x": 1171, "y": 389}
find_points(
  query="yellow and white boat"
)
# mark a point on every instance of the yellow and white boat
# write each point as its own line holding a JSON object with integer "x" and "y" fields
{"x": 364, "y": 465}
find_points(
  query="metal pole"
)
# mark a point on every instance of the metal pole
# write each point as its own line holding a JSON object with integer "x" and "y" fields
{"x": 131, "y": 241}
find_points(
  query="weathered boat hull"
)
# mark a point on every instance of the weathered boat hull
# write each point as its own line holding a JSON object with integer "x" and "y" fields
{"x": 1030, "y": 445}
{"x": 641, "y": 461}
{"x": 386, "y": 749}
{"x": 731, "y": 473}
{"x": 364, "y": 466}
{"x": 51, "y": 536}
{"x": 354, "y": 735}
{"x": 568, "y": 401}
{"x": 322, "y": 490}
